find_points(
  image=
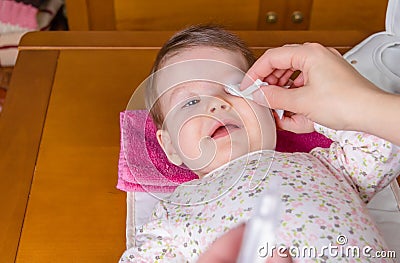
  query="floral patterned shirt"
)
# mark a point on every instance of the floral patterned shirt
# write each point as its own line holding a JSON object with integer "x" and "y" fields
{"x": 323, "y": 195}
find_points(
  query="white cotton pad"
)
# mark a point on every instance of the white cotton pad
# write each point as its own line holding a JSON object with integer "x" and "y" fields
{"x": 234, "y": 89}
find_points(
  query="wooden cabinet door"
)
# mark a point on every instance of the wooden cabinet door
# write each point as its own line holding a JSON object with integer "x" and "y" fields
{"x": 365, "y": 15}
{"x": 176, "y": 14}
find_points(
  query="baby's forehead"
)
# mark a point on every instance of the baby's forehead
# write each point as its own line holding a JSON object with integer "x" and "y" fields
{"x": 208, "y": 64}
{"x": 171, "y": 82}
{"x": 205, "y": 52}
{"x": 196, "y": 85}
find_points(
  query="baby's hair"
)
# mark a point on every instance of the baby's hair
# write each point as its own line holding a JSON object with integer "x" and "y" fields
{"x": 194, "y": 36}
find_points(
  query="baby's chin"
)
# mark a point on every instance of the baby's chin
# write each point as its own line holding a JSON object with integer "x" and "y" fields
{"x": 223, "y": 159}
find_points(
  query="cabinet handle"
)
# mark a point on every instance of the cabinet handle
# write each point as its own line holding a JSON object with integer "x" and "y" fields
{"x": 297, "y": 17}
{"x": 271, "y": 18}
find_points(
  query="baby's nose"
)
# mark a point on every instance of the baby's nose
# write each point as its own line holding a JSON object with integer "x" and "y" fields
{"x": 218, "y": 105}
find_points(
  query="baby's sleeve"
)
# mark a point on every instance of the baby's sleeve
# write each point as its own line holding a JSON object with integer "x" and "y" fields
{"x": 158, "y": 247}
{"x": 365, "y": 161}
{"x": 155, "y": 242}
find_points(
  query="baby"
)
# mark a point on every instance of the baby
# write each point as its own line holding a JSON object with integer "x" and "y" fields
{"x": 229, "y": 142}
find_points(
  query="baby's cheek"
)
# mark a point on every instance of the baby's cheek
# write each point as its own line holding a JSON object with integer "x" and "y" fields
{"x": 189, "y": 150}
{"x": 262, "y": 129}
{"x": 268, "y": 135}
{"x": 250, "y": 109}
{"x": 188, "y": 145}
{"x": 198, "y": 154}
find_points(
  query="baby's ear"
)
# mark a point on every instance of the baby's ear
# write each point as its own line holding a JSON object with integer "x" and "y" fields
{"x": 164, "y": 139}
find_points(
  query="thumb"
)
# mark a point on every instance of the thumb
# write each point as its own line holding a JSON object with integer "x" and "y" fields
{"x": 276, "y": 97}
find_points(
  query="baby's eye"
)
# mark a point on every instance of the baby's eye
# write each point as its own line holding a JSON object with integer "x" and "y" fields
{"x": 227, "y": 90}
{"x": 232, "y": 89}
{"x": 191, "y": 103}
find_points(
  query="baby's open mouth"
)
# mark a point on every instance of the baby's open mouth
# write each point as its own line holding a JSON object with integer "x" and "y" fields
{"x": 224, "y": 130}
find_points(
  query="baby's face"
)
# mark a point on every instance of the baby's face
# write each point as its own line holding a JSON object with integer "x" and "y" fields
{"x": 204, "y": 126}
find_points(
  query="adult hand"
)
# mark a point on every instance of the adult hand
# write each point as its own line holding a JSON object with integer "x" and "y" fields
{"x": 330, "y": 91}
{"x": 226, "y": 249}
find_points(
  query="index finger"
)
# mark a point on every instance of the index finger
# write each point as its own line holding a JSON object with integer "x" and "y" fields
{"x": 286, "y": 57}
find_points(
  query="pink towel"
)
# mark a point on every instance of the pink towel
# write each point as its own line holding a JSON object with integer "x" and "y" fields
{"x": 143, "y": 165}
{"x": 18, "y": 14}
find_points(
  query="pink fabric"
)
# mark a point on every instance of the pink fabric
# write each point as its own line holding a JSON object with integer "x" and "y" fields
{"x": 143, "y": 165}
{"x": 292, "y": 142}
{"x": 15, "y": 13}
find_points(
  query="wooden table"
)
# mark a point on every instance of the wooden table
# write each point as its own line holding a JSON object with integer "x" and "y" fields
{"x": 59, "y": 138}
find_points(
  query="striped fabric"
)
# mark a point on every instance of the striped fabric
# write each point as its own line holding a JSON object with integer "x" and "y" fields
{"x": 20, "y": 17}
